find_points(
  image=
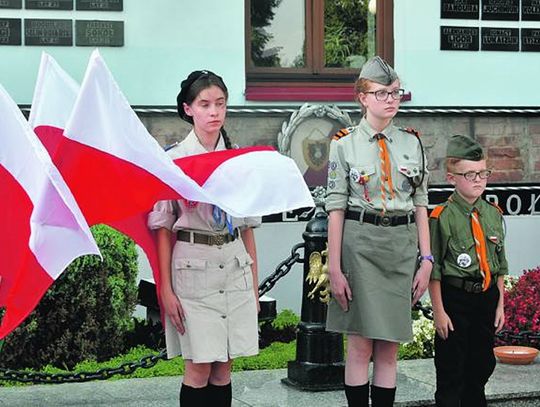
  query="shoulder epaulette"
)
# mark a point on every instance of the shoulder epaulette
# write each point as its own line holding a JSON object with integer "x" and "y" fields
{"x": 436, "y": 212}
{"x": 410, "y": 130}
{"x": 341, "y": 133}
{"x": 499, "y": 209}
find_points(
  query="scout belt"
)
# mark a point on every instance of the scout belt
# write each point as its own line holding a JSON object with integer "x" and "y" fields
{"x": 380, "y": 220}
{"x": 201, "y": 238}
{"x": 470, "y": 286}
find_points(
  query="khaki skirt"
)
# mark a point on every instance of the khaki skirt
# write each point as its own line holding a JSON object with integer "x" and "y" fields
{"x": 379, "y": 263}
{"x": 215, "y": 287}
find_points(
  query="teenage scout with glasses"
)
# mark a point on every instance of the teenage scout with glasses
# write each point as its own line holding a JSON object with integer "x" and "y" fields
{"x": 209, "y": 288}
{"x": 377, "y": 204}
{"x": 467, "y": 286}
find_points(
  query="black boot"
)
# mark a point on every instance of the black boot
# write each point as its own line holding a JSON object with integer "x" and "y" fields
{"x": 192, "y": 396}
{"x": 357, "y": 396}
{"x": 219, "y": 396}
{"x": 382, "y": 396}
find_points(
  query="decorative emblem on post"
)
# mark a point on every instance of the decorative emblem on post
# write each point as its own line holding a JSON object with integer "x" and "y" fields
{"x": 318, "y": 275}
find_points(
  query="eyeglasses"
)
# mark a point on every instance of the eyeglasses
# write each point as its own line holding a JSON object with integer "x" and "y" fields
{"x": 382, "y": 95}
{"x": 471, "y": 175}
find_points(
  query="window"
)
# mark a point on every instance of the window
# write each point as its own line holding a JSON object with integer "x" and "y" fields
{"x": 313, "y": 49}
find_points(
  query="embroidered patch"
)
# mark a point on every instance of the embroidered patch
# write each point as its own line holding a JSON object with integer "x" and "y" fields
{"x": 332, "y": 174}
{"x": 354, "y": 175}
{"x": 464, "y": 260}
{"x": 332, "y": 165}
{"x": 406, "y": 186}
{"x": 331, "y": 184}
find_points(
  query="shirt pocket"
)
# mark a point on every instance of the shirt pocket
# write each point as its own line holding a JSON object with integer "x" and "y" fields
{"x": 190, "y": 278}
{"x": 241, "y": 277}
{"x": 494, "y": 243}
{"x": 463, "y": 253}
{"x": 408, "y": 171}
{"x": 361, "y": 176}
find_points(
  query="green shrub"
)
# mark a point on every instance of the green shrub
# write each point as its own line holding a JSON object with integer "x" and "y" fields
{"x": 85, "y": 315}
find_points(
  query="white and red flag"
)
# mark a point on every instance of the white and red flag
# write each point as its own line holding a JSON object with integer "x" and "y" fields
{"x": 117, "y": 170}
{"x": 43, "y": 230}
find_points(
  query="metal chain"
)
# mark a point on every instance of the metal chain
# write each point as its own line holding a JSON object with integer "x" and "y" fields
{"x": 101, "y": 374}
{"x": 281, "y": 270}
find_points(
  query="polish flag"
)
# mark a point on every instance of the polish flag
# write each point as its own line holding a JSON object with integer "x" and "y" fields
{"x": 117, "y": 170}
{"x": 43, "y": 228}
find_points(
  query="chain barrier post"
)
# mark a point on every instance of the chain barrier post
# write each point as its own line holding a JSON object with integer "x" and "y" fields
{"x": 319, "y": 363}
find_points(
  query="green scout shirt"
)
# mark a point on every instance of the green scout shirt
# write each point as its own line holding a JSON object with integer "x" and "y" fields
{"x": 357, "y": 155}
{"x": 452, "y": 242}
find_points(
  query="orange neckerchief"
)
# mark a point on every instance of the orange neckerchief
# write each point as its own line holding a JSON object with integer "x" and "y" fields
{"x": 386, "y": 170}
{"x": 481, "y": 251}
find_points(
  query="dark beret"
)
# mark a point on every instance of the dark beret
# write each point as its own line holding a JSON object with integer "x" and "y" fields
{"x": 465, "y": 148}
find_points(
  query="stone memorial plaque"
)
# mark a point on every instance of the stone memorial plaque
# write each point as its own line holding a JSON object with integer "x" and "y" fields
{"x": 99, "y": 5}
{"x": 530, "y": 10}
{"x": 459, "y": 38}
{"x": 507, "y": 10}
{"x": 92, "y": 33}
{"x": 530, "y": 39}
{"x": 465, "y": 9}
{"x": 38, "y": 31}
{"x": 10, "y": 3}
{"x": 10, "y": 31}
{"x": 500, "y": 39}
{"x": 49, "y": 4}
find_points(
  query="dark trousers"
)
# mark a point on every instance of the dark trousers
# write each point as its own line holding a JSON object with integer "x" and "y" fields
{"x": 465, "y": 360}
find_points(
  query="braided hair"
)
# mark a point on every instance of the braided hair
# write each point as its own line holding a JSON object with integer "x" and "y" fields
{"x": 190, "y": 88}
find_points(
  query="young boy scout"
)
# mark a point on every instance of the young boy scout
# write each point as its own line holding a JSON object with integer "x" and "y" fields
{"x": 466, "y": 285}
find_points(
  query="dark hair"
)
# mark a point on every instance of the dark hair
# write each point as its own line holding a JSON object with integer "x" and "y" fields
{"x": 190, "y": 88}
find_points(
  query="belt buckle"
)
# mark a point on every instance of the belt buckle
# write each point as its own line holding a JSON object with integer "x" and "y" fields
{"x": 385, "y": 220}
{"x": 476, "y": 288}
{"x": 217, "y": 240}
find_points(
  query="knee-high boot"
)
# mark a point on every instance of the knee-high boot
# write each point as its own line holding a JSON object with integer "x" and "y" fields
{"x": 382, "y": 396}
{"x": 193, "y": 396}
{"x": 219, "y": 396}
{"x": 357, "y": 396}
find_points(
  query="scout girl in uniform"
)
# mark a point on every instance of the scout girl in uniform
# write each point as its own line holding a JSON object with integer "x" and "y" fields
{"x": 467, "y": 286}
{"x": 377, "y": 204}
{"x": 209, "y": 287}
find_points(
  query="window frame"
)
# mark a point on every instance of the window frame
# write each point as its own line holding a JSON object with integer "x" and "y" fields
{"x": 315, "y": 74}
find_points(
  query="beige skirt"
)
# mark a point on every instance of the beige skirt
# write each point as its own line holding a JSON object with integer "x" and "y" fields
{"x": 215, "y": 287}
{"x": 379, "y": 263}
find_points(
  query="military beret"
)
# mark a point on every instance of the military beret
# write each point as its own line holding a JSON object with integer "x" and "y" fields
{"x": 377, "y": 70}
{"x": 184, "y": 90}
{"x": 465, "y": 148}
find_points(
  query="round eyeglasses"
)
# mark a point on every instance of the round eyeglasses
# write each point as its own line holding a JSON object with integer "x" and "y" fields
{"x": 382, "y": 95}
{"x": 471, "y": 175}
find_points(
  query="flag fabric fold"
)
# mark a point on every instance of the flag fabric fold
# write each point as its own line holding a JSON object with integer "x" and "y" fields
{"x": 44, "y": 230}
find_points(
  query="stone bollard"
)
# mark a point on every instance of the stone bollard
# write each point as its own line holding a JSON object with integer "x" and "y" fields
{"x": 319, "y": 361}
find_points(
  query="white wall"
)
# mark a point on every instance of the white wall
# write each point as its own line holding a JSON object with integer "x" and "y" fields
{"x": 164, "y": 41}
{"x": 459, "y": 78}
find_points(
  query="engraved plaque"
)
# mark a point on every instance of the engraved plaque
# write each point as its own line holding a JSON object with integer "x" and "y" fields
{"x": 500, "y": 39}
{"x": 459, "y": 38}
{"x": 92, "y": 33}
{"x": 10, "y": 31}
{"x": 39, "y": 31}
{"x": 530, "y": 39}
{"x": 507, "y": 10}
{"x": 99, "y": 5}
{"x": 49, "y": 4}
{"x": 10, "y": 3}
{"x": 530, "y": 10}
{"x": 465, "y": 9}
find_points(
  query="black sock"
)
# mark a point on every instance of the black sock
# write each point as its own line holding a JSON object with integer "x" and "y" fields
{"x": 220, "y": 396}
{"x": 357, "y": 396}
{"x": 193, "y": 396}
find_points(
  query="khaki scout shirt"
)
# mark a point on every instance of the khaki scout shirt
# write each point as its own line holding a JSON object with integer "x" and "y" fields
{"x": 452, "y": 242}
{"x": 358, "y": 153}
{"x": 189, "y": 215}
